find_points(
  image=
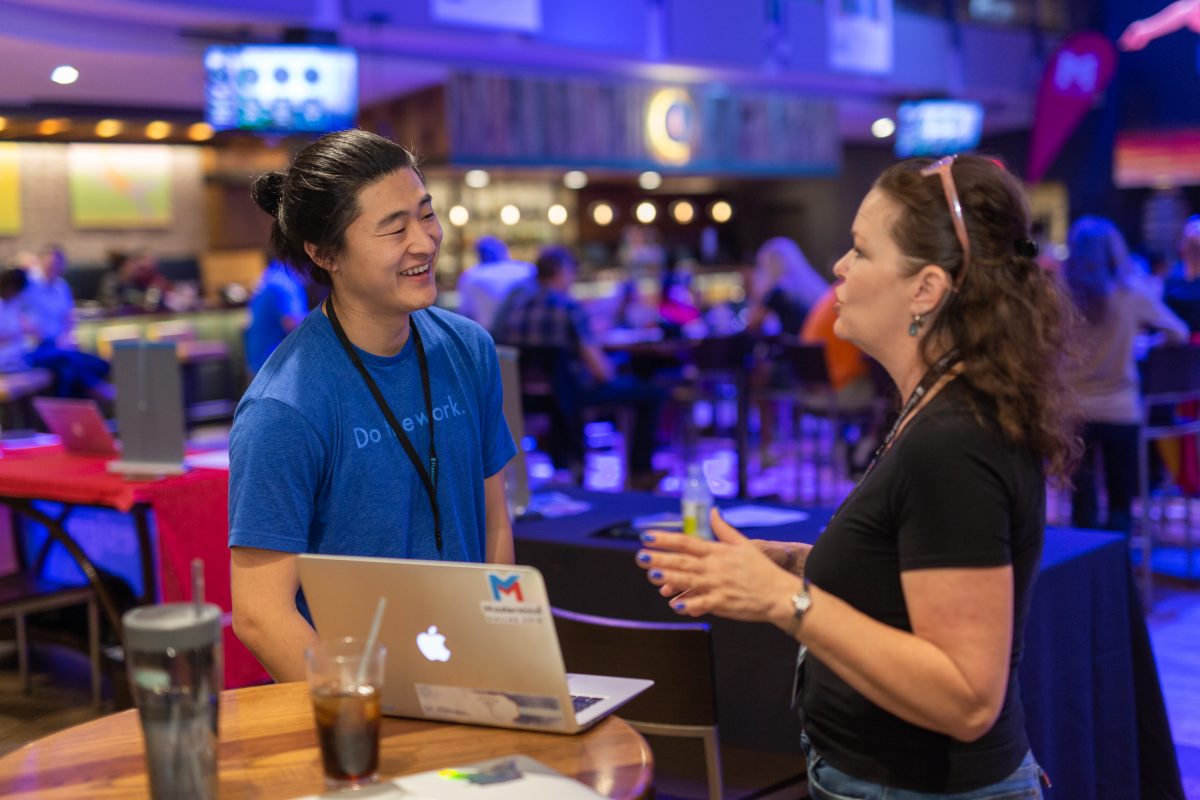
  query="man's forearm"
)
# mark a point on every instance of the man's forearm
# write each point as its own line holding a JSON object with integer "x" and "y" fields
{"x": 279, "y": 644}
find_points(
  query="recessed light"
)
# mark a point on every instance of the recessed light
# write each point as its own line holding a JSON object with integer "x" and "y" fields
{"x": 720, "y": 211}
{"x": 575, "y": 179}
{"x": 646, "y": 212}
{"x": 108, "y": 128}
{"x": 510, "y": 215}
{"x": 64, "y": 75}
{"x": 459, "y": 216}
{"x": 557, "y": 214}
{"x": 650, "y": 180}
{"x": 200, "y": 131}
{"x": 158, "y": 129}
{"x": 477, "y": 178}
{"x": 883, "y": 127}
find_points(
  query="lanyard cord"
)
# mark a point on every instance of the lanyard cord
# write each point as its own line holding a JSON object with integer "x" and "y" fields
{"x": 428, "y": 479}
{"x": 931, "y": 377}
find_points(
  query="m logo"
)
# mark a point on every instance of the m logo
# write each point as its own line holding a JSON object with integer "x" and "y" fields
{"x": 1076, "y": 72}
{"x": 510, "y": 587}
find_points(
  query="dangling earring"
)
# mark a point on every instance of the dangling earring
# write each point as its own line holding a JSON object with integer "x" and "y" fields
{"x": 914, "y": 327}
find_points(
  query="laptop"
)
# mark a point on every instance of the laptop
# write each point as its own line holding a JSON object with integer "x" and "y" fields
{"x": 78, "y": 424}
{"x": 149, "y": 408}
{"x": 516, "y": 474}
{"x": 471, "y": 643}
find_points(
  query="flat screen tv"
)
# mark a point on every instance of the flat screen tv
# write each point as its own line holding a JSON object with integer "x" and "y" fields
{"x": 281, "y": 88}
{"x": 937, "y": 127}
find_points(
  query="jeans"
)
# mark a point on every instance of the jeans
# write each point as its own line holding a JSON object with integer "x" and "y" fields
{"x": 827, "y": 783}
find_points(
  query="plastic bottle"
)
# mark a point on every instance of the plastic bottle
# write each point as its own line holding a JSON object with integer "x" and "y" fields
{"x": 696, "y": 503}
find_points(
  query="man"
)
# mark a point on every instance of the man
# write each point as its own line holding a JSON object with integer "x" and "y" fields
{"x": 484, "y": 288}
{"x": 545, "y": 316}
{"x": 278, "y": 306}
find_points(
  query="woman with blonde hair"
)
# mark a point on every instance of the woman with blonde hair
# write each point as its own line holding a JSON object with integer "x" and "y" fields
{"x": 785, "y": 285}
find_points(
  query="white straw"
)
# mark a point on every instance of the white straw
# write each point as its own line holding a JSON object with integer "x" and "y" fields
{"x": 372, "y": 636}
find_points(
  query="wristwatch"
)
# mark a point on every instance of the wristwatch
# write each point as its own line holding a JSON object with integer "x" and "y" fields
{"x": 801, "y": 603}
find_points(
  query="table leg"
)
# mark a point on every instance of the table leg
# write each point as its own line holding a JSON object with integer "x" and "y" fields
{"x": 141, "y": 521}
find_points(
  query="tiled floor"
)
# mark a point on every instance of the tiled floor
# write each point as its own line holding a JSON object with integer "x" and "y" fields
{"x": 60, "y": 699}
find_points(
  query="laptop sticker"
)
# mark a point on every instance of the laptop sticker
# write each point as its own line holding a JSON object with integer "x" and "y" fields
{"x": 461, "y": 704}
{"x": 507, "y": 604}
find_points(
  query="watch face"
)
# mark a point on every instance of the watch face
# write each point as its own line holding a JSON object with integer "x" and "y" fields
{"x": 801, "y": 603}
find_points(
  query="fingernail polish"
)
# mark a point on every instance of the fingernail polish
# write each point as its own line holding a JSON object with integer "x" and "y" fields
{"x": 679, "y": 606}
{"x": 656, "y": 574}
{"x": 647, "y": 537}
{"x": 644, "y": 558}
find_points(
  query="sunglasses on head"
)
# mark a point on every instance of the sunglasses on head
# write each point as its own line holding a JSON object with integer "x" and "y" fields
{"x": 942, "y": 168}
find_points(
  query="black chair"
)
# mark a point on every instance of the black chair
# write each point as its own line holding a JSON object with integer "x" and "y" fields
{"x": 1170, "y": 377}
{"x": 813, "y": 394}
{"x": 717, "y": 363}
{"x": 677, "y": 656}
{"x": 24, "y": 593}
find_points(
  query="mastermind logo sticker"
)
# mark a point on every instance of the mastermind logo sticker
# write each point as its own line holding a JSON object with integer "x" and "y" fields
{"x": 507, "y": 603}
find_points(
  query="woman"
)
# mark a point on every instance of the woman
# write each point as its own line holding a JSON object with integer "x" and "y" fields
{"x": 783, "y": 288}
{"x": 1115, "y": 307}
{"x": 376, "y": 427}
{"x": 913, "y": 601}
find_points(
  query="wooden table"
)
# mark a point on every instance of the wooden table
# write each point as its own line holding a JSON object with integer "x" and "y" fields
{"x": 269, "y": 749}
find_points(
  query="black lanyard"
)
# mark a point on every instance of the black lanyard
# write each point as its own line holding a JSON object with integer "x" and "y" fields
{"x": 428, "y": 479}
{"x": 932, "y": 376}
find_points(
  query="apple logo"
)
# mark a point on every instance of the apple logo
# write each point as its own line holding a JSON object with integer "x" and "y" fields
{"x": 433, "y": 645}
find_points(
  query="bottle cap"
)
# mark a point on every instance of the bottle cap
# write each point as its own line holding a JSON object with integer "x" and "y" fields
{"x": 172, "y": 625}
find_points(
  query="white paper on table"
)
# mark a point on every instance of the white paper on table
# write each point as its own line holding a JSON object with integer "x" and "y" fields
{"x": 534, "y": 781}
{"x": 754, "y": 516}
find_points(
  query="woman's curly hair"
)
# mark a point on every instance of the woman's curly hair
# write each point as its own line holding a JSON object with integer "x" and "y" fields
{"x": 1009, "y": 318}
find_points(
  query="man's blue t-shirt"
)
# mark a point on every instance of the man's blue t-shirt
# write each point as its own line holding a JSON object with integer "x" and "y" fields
{"x": 315, "y": 468}
{"x": 279, "y": 294}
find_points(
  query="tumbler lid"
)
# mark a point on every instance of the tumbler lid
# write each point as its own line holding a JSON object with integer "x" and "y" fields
{"x": 172, "y": 625}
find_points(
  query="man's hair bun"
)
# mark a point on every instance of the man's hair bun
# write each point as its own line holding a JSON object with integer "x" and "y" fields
{"x": 267, "y": 191}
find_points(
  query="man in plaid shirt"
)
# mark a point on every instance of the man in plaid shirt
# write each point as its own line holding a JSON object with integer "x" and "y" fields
{"x": 547, "y": 318}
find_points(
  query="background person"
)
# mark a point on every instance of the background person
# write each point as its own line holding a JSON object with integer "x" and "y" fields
{"x": 1115, "y": 307}
{"x": 316, "y": 465}
{"x": 548, "y": 317}
{"x": 279, "y": 304}
{"x": 482, "y": 289}
{"x": 913, "y": 601}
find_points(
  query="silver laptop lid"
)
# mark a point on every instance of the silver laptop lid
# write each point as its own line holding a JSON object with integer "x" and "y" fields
{"x": 149, "y": 407}
{"x": 466, "y": 642}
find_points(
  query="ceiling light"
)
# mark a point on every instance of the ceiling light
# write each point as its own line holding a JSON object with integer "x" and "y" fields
{"x": 557, "y": 214}
{"x": 883, "y": 127}
{"x": 458, "y": 216}
{"x": 510, "y": 215}
{"x": 683, "y": 211}
{"x": 645, "y": 212}
{"x": 477, "y": 178}
{"x": 200, "y": 131}
{"x": 650, "y": 180}
{"x": 108, "y": 128}
{"x": 575, "y": 179}
{"x": 50, "y": 127}
{"x": 720, "y": 211}
{"x": 3, "y": 123}
{"x": 64, "y": 75}
{"x": 602, "y": 213}
{"x": 158, "y": 129}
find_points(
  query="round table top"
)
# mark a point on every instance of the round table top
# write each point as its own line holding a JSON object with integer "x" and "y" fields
{"x": 268, "y": 748}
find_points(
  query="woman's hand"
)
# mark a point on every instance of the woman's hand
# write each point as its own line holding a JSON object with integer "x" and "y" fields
{"x": 732, "y": 577}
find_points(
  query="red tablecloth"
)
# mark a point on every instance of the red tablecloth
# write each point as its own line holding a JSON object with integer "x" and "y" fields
{"x": 191, "y": 517}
